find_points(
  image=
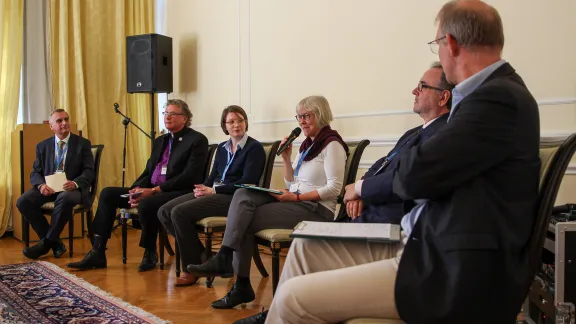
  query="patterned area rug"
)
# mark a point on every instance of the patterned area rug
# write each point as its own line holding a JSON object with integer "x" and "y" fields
{"x": 41, "y": 292}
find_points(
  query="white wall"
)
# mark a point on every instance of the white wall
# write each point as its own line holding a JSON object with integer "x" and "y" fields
{"x": 365, "y": 56}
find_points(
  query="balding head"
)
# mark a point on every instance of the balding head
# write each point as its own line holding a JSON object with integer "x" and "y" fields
{"x": 472, "y": 23}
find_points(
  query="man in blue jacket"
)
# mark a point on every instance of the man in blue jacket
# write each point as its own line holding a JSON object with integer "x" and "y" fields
{"x": 364, "y": 202}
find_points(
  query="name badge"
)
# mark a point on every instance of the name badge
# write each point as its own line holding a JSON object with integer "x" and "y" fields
{"x": 164, "y": 169}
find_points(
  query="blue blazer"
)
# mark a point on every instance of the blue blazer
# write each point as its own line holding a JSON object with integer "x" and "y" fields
{"x": 246, "y": 167}
{"x": 379, "y": 208}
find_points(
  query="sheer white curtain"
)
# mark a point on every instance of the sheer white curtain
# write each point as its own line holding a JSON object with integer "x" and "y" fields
{"x": 35, "y": 90}
{"x": 160, "y": 27}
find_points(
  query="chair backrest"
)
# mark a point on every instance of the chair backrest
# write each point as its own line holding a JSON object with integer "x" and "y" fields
{"x": 211, "y": 153}
{"x": 352, "y": 163}
{"x": 270, "y": 148}
{"x": 97, "y": 153}
{"x": 555, "y": 157}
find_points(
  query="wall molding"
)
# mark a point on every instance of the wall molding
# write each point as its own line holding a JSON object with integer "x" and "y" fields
{"x": 391, "y": 141}
{"x": 541, "y": 103}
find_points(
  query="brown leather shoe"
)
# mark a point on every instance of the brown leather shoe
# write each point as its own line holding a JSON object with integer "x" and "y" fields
{"x": 187, "y": 279}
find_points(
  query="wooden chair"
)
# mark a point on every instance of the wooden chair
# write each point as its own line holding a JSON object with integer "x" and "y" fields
{"x": 278, "y": 239}
{"x": 86, "y": 211}
{"x": 555, "y": 157}
{"x": 163, "y": 242}
{"x": 217, "y": 224}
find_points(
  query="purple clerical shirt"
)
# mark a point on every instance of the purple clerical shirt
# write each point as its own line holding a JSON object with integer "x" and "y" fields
{"x": 157, "y": 177}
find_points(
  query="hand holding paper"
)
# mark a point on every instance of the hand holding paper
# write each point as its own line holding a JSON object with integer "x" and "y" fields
{"x": 56, "y": 181}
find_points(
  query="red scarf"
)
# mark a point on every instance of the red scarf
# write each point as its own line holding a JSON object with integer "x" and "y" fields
{"x": 323, "y": 138}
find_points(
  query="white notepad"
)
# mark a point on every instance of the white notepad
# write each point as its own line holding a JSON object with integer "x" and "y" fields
{"x": 386, "y": 233}
{"x": 56, "y": 181}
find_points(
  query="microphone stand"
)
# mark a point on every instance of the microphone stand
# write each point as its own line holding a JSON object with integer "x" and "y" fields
{"x": 125, "y": 122}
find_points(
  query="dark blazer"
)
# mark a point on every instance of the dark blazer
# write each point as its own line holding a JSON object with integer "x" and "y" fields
{"x": 246, "y": 168}
{"x": 391, "y": 208}
{"x": 466, "y": 261}
{"x": 186, "y": 164}
{"x": 78, "y": 166}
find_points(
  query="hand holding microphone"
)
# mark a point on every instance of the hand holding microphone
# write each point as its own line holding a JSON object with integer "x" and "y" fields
{"x": 285, "y": 148}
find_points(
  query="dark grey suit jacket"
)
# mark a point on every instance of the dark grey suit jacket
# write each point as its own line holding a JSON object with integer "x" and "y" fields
{"x": 79, "y": 164}
{"x": 466, "y": 261}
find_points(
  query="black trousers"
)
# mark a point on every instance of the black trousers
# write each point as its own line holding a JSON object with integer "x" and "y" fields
{"x": 148, "y": 207}
{"x": 29, "y": 206}
{"x": 179, "y": 217}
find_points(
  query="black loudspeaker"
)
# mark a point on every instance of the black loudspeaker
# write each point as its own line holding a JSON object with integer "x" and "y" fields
{"x": 149, "y": 63}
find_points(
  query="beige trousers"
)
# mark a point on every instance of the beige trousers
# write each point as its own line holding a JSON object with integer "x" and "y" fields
{"x": 330, "y": 281}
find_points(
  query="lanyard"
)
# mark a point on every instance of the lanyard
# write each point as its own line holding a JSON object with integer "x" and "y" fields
{"x": 302, "y": 156}
{"x": 60, "y": 157}
{"x": 391, "y": 155}
{"x": 230, "y": 159}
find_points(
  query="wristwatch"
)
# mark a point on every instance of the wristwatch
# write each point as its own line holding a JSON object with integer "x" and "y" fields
{"x": 298, "y": 197}
{"x": 154, "y": 191}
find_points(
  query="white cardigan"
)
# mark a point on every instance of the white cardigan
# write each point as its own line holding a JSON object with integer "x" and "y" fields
{"x": 324, "y": 173}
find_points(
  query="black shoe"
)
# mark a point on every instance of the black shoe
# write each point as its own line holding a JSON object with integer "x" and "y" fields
{"x": 236, "y": 296}
{"x": 255, "y": 319}
{"x": 217, "y": 266}
{"x": 92, "y": 260}
{"x": 59, "y": 249}
{"x": 149, "y": 261}
{"x": 38, "y": 250}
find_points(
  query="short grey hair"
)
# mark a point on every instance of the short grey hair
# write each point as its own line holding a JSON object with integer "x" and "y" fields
{"x": 183, "y": 107}
{"x": 319, "y": 106}
{"x": 472, "y": 23}
{"x": 59, "y": 110}
{"x": 443, "y": 83}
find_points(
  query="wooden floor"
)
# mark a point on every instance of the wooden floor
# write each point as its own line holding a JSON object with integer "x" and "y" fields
{"x": 154, "y": 290}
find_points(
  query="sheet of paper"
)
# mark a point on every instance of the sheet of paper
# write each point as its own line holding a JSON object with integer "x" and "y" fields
{"x": 379, "y": 232}
{"x": 56, "y": 181}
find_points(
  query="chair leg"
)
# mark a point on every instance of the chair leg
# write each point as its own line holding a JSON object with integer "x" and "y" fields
{"x": 89, "y": 226}
{"x": 124, "y": 237}
{"x": 25, "y": 232}
{"x": 71, "y": 236}
{"x": 162, "y": 240}
{"x": 82, "y": 222}
{"x": 167, "y": 244}
{"x": 258, "y": 262}
{"x": 208, "y": 253}
{"x": 177, "y": 259}
{"x": 275, "y": 269}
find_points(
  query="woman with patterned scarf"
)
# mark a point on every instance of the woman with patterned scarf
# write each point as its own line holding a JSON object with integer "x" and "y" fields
{"x": 314, "y": 180}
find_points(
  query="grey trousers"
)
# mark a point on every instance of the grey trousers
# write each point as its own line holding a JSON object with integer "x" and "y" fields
{"x": 253, "y": 211}
{"x": 179, "y": 217}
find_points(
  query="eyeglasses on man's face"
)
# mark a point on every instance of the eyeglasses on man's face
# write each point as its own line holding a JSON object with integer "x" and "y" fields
{"x": 235, "y": 122}
{"x": 172, "y": 114}
{"x": 435, "y": 44}
{"x": 305, "y": 117}
{"x": 422, "y": 86}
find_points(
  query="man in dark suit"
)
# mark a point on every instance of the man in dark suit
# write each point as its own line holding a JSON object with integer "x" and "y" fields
{"x": 464, "y": 257}
{"x": 364, "y": 202}
{"x": 63, "y": 153}
{"x": 177, "y": 162}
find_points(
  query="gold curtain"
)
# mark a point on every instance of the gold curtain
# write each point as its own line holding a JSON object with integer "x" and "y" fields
{"x": 88, "y": 58}
{"x": 11, "y": 36}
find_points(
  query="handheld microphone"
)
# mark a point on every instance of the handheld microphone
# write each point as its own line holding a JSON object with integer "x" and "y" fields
{"x": 295, "y": 133}
{"x": 116, "y": 106}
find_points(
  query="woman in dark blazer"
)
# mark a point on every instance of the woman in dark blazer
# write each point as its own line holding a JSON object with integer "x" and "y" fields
{"x": 239, "y": 160}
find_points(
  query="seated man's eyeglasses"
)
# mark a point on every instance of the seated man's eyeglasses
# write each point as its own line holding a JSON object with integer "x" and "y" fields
{"x": 172, "y": 114}
{"x": 422, "y": 86}
{"x": 435, "y": 44}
